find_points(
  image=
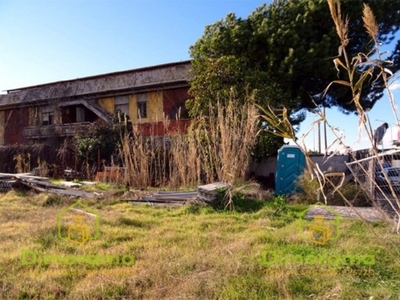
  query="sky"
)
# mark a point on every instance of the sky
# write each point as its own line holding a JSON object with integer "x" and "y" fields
{"x": 48, "y": 41}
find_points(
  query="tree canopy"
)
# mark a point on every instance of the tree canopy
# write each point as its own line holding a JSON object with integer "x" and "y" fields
{"x": 285, "y": 53}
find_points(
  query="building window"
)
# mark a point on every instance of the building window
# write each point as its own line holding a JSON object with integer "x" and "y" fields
{"x": 48, "y": 115}
{"x": 122, "y": 104}
{"x": 80, "y": 114}
{"x": 48, "y": 118}
{"x": 142, "y": 106}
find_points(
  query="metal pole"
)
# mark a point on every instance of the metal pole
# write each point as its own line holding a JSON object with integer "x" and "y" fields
{"x": 319, "y": 137}
{"x": 325, "y": 138}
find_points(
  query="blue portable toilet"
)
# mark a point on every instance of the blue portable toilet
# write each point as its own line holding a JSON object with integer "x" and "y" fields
{"x": 290, "y": 164}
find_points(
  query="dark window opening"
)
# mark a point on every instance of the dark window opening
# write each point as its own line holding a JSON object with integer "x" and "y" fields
{"x": 122, "y": 104}
{"x": 80, "y": 114}
{"x": 122, "y": 108}
{"x": 48, "y": 118}
{"x": 142, "y": 106}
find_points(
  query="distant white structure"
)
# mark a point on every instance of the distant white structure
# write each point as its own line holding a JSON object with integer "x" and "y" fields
{"x": 392, "y": 137}
{"x": 391, "y": 140}
{"x": 379, "y": 133}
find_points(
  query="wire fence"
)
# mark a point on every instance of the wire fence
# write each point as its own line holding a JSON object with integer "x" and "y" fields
{"x": 379, "y": 177}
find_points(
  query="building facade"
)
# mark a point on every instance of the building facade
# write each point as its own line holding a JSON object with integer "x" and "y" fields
{"x": 62, "y": 109}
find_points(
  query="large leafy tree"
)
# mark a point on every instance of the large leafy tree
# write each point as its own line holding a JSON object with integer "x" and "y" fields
{"x": 285, "y": 53}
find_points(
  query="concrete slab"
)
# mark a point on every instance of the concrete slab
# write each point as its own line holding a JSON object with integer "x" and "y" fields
{"x": 367, "y": 213}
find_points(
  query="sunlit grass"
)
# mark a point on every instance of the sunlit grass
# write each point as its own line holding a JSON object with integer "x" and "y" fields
{"x": 188, "y": 253}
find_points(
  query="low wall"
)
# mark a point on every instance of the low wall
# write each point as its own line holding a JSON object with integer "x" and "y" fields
{"x": 336, "y": 163}
{"x": 264, "y": 171}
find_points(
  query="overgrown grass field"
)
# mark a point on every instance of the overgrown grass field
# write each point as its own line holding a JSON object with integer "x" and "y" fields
{"x": 189, "y": 252}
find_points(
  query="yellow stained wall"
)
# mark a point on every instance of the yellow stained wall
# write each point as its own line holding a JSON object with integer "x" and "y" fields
{"x": 2, "y": 124}
{"x": 155, "y": 107}
{"x": 32, "y": 116}
{"x": 108, "y": 103}
{"x": 133, "y": 108}
{"x": 57, "y": 116}
{"x": 36, "y": 116}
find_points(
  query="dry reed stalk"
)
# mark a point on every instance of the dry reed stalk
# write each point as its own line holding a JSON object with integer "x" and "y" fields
{"x": 367, "y": 65}
{"x": 214, "y": 148}
{"x": 226, "y": 137}
{"x": 370, "y": 23}
{"x": 342, "y": 25}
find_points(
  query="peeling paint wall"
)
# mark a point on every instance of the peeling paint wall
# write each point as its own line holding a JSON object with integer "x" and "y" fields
{"x": 162, "y": 88}
{"x": 163, "y": 128}
{"x": 2, "y": 128}
{"x": 108, "y": 103}
{"x": 174, "y": 103}
{"x": 133, "y": 108}
{"x": 155, "y": 107}
{"x": 33, "y": 116}
{"x": 15, "y": 120}
{"x": 57, "y": 116}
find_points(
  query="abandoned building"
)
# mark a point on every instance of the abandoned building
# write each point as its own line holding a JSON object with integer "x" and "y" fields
{"x": 58, "y": 110}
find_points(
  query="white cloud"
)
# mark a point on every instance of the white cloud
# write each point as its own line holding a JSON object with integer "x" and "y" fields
{"x": 394, "y": 86}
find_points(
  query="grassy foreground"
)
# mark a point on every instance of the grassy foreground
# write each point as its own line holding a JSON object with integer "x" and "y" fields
{"x": 186, "y": 253}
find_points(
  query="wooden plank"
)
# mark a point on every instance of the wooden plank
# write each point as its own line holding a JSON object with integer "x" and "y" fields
{"x": 23, "y": 176}
{"x": 70, "y": 184}
{"x": 172, "y": 198}
{"x": 187, "y": 195}
{"x": 161, "y": 200}
{"x": 177, "y": 192}
{"x": 212, "y": 186}
{"x": 42, "y": 183}
{"x": 57, "y": 191}
{"x": 157, "y": 201}
{"x": 209, "y": 192}
{"x": 75, "y": 193}
{"x": 30, "y": 176}
{"x": 156, "y": 204}
{"x": 7, "y": 175}
{"x": 36, "y": 188}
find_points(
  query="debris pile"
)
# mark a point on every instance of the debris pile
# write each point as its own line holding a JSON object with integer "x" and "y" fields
{"x": 204, "y": 194}
{"x": 208, "y": 193}
{"x": 40, "y": 184}
{"x": 167, "y": 197}
{"x": 6, "y": 182}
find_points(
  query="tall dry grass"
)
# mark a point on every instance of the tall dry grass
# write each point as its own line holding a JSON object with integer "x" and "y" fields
{"x": 184, "y": 161}
{"x": 228, "y": 135}
{"x": 137, "y": 156}
{"x": 215, "y": 147}
{"x": 22, "y": 162}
